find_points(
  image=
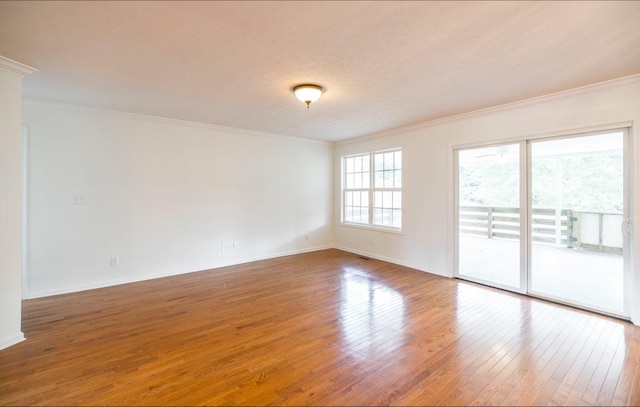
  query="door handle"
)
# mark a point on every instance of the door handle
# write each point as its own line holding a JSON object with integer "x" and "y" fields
{"x": 626, "y": 228}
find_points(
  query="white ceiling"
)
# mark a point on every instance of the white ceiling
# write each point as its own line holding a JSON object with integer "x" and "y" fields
{"x": 384, "y": 64}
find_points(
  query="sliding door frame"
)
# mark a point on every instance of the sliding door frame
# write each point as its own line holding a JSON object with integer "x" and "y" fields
{"x": 525, "y": 208}
{"x": 523, "y": 232}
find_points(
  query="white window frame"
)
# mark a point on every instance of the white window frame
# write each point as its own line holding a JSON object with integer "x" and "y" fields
{"x": 354, "y": 192}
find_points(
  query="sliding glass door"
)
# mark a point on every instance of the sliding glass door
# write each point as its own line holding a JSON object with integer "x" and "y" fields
{"x": 577, "y": 219}
{"x": 547, "y": 217}
{"x": 489, "y": 215}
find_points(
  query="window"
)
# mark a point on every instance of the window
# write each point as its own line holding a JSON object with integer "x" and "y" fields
{"x": 372, "y": 189}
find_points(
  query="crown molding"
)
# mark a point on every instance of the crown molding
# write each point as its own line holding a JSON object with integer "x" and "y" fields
{"x": 631, "y": 80}
{"x": 15, "y": 67}
{"x": 164, "y": 120}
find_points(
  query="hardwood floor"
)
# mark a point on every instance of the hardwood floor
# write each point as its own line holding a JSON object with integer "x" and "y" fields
{"x": 322, "y": 328}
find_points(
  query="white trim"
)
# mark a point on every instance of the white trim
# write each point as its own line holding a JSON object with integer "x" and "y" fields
{"x": 12, "y": 340}
{"x": 387, "y": 259}
{"x": 563, "y": 132}
{"x": 25, "y": 210}
{"x": 164, "y": 120}
{"x": 395, "y": 231}
{"x": 634, "y": 211}
{"x": 526, "y": 216}
{"x": 151, "y": 276}
{"x": 452, "y": 212}
{"x": 15, "y": 67}
{"x": 631, "y": 80}
{"x": 628, "y": 190}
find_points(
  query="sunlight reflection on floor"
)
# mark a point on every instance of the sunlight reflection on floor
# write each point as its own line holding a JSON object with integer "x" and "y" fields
{"x": 372, "y": 315}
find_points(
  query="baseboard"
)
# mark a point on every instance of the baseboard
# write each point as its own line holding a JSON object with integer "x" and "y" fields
{"x": 12, "y": 340}
{"x": 387, "y": 259}
{"x": 169, "y": 273}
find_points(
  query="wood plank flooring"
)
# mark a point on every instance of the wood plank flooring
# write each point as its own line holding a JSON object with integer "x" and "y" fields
{"x": 322, "y": 328}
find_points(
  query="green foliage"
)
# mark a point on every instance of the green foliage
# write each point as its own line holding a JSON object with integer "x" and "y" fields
{"x": 495, "y": 184}
{"x": 584, "y": 183}
{"x": 588, "y": 183}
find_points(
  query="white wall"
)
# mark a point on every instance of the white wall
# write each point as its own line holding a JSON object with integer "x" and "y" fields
{"x": 427, "y": 239}
{"x": 11, "y": 73}
{"x": 163, "y": 196}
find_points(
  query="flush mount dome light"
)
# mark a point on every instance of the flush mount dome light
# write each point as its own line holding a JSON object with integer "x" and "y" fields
{"x": 308, "y": 92}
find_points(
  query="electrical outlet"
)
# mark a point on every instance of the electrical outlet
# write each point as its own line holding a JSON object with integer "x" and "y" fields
{"x": 228, "y": 246}
{"x": 236, "y": 245}
{"x": 78, "y": 199}
{"x": 115, "y": 261}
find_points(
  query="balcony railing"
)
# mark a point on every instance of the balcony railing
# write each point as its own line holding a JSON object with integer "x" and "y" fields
{"x": 568, "y": 228}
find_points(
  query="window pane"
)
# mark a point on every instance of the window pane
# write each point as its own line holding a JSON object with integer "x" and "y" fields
{"x": 348, "y": 213}
{"x": 388, "y": 161}
{"x": 348, "y": 165}
{"x": 388, "y": 179}
{"x": 349, "y": 181}
{"x": 397, "y": 182}
{"x": 578, "y": 182}
{"x": 378, "y": 161}
{"x": 397, "y": 200}
{"x": 397, "y": 218}
{"x": 377, "y": 216}
{"x": 364, "y": 215}
{"x": 397, "y": 159}
{"x": 357, "y": 164}
{"x": 356, "y": 199}
{"x": 377, "y": 200}
{"x": 348, "y": 198}
{"x": 386, "y": 217}
{"x": 387, "y": 199}
{"x": 364, "y": 198}
{"x": 488, "y": 178}
{"x": 380, "y": 217}
{"x": 379, "y": 179}
{"x": 365, "y": 163}
{"x": 355, "y": 214}
{"x": 357, "y": 180}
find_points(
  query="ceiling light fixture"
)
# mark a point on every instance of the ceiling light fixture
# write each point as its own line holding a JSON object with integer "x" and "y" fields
{"x": 308, "y": 92}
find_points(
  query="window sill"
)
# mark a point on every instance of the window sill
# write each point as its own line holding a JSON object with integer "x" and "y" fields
{"x": 373, "y": 228}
